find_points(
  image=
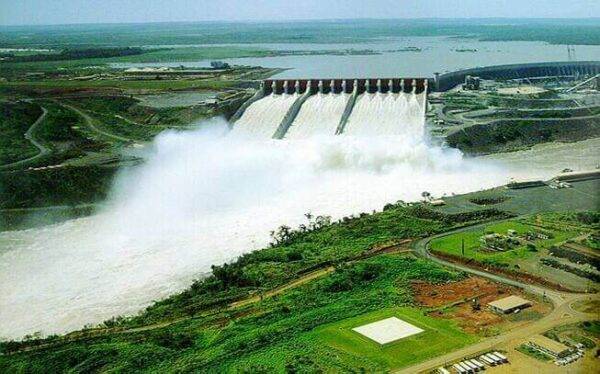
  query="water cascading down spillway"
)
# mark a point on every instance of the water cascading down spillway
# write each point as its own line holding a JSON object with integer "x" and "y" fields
{"x": 296, "y": 109}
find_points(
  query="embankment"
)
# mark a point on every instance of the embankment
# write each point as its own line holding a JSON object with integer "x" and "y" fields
{"x": 511, "y": 135}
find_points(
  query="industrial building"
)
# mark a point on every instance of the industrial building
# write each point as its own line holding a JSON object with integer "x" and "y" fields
{"x": 509, "y": 304}
{"x": 549, "y": 346}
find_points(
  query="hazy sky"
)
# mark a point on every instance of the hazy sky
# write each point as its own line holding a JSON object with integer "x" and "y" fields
{"x": 18, "y": 12}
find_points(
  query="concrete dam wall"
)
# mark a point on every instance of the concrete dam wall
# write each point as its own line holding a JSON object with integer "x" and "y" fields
{"x": 447, "y": 81}
{"x": 294, "y": 109}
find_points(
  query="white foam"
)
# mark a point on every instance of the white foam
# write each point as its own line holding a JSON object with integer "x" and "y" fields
{"x": 382, "y": 114}
{"x": 319, "y": 115}
{"x": 262, "y": 118}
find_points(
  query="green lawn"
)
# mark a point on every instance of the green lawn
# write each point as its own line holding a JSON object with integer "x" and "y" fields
{"x": 439, "y": 337}
{"x": 452, "y": 244}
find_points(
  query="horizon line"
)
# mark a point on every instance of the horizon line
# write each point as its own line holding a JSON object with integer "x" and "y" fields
{"x": 299, "y": 20}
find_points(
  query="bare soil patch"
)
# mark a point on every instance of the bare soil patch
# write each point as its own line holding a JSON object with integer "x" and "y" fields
{"x": 455, "y": 301}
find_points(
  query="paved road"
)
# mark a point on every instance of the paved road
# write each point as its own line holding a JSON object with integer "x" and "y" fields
{"x": 30, "y": 135}
{"x": 562, "y": 313}
{"x": 89, "y": 122}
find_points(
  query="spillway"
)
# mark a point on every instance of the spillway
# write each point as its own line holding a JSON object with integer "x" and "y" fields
{"x": 319, "y": 115}
{"x": 264, "y": 116}
{"x": 296, "y": 109}
{"x": 376, "y": 114}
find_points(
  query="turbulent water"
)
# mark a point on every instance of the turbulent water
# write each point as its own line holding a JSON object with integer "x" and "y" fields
{"x": 382, "y": 114}
{"x": 204, "y": 197}
{"x": 319, "y": 115}
{"x": 262, "y": 118}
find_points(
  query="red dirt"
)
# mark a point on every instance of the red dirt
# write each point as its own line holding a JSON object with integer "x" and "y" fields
{"x": 433, "y": 295}
{"x": 520, "y": 276}
{"x": 459, "y": 296}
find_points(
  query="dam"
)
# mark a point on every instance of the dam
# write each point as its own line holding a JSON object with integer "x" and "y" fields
{"x": 297, "y": 109}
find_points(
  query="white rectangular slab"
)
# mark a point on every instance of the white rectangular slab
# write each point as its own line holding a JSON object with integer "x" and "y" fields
{"x": 387, "y": 330}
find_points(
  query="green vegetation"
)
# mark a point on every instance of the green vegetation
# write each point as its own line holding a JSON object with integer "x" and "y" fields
{"x": 15, "y": 119}
{"x": 313, "y": 246}
{"x": 440, "y": 336}
{"x": 504, "y": 135}
{"x": 76, "y": 54}
{"x": 61, "y": 186}
{"x": 571, "y": 269}
{"x": 452, "y": 244}
{"x": 165, "y": 85}
{"x": 592, "y": 327}
{"x": 196, "y": 331}
{"x": 525, "y": 248}
{"x": 586, "y": 333}
{"x": 538, "y": 355}
{"x": 488, "y": 200}
{"x": 296, "y": 329}
{"x": 568, "y": 31}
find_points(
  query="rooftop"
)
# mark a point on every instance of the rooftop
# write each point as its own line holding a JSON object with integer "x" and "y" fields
{"x": 547, "y": 343}
{"x": 510, "y": 302}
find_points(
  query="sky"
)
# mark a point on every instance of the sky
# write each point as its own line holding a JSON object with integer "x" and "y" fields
{"x": 41, "y": 12}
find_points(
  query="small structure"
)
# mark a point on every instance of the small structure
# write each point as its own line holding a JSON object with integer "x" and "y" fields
{"x": 542, "y": 235}
{"x": 498, "y": 242}
{"x": 472, "y": 83}
{"x": 219, "y": 65}
{"x": 437, "y": 202}
{"x": 509, "y": 304}
{"x": 549, "y": 346}
{"x": 517, "y": 185}
{"x": 387, "y": 330}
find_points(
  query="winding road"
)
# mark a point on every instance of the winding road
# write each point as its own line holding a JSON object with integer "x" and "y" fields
{"x": 89, "y": 122}
{"x": 563, "y": 313}
{"x": 30, "y": 135}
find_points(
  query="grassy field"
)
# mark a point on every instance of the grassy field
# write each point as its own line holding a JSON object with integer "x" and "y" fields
{"x": 528, "y": 255}
{"x": 439, "y": 337}
{"x": 473, "y": 248}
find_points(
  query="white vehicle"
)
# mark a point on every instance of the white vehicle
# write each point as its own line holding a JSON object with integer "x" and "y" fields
{"x": 459, "y": 369}
{"x": 487, "y": 360}
{"x": 503, "y": 357}
{"x": 478, "y": 364}
{"x": 473, "y": 368}
{"x": 465, "y": 367}
{"x": 442, "y": 370}
{"x": 498, "y": 359}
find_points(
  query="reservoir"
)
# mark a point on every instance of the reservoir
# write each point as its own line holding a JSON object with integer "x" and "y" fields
{"x": 391, "y": 57}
